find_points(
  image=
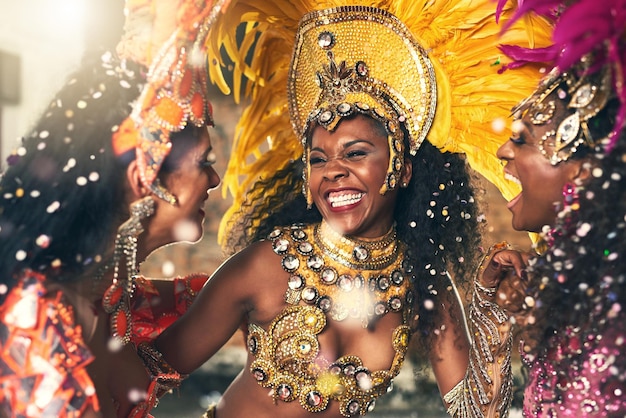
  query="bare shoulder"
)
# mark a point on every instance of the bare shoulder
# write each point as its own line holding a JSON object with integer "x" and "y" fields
{"x": 260, "y": 280}
{"x": 254, "y": 269}
{"x": 255, "y": 259}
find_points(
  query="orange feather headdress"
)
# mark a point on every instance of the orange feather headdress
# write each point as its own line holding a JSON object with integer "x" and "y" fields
{"x": 169, "y": 38}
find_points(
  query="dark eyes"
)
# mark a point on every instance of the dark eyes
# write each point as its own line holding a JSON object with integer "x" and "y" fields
{"x": 356, "y": 153}
{"x": 517, "y": 139}
{"x": 317, "y": 160}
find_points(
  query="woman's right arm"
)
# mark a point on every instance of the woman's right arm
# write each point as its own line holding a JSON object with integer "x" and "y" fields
{"x": 218, "y": 310}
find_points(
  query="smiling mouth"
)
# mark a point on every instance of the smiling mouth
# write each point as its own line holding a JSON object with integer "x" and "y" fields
{"x": 344, "y": 199}
{"x": 511, "y": 177}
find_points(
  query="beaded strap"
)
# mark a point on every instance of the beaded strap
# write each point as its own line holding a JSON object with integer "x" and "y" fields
{"x": 486, "y": 389}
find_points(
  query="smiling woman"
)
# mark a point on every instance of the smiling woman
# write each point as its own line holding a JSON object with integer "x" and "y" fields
{"x": 568, "y": 154}
{"x": 527, "y": 165}
{"x": 185, "y": 177}
{"x": 348, "y": 167}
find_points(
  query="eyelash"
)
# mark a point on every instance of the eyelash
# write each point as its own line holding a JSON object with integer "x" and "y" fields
{"x": 209, "y": 160}
{"x": 356, "y": 153}
{"x": 517, "y": 140}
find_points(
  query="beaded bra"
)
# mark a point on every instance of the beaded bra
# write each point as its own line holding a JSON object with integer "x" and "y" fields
{"x": 338, "y": 278}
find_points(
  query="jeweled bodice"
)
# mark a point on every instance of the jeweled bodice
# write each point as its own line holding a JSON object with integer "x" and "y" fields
{"x": 325, "y": 285}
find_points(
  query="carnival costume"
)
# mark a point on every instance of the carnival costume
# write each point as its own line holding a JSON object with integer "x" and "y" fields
{"x": 43, "y": 356}
{"x": 428, "y": 71}
{"x": 576, "y": 365}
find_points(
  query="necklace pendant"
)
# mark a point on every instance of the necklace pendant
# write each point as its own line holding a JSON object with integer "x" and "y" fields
{"x": 365, "y": 322}
{"x": 112, "y": 297}
{"x": 116, "y": 303}
{"x": 292, "y": 296}
{"x": 355, "y": 253}
{"x": 360, "y": 253}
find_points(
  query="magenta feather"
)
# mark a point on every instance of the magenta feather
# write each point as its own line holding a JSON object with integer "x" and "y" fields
{"x": 580, "y": 27}
{"x": 540, "y": 7}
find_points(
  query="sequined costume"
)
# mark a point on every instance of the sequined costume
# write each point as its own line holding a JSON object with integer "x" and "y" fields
{"x": 43, "y": 355}
{"x": 436, "y": 85}
{"x": 594, "y": 383}
{"x": 327, "y": 284}
{"x": 487, "y": 388}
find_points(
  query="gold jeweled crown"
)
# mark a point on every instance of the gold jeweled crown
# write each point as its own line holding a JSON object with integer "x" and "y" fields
{"x": 430, "y": 65}
{"x": 360, "y": 80}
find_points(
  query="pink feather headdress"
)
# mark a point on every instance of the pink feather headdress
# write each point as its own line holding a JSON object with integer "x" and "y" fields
{"x": 581, "y": 28}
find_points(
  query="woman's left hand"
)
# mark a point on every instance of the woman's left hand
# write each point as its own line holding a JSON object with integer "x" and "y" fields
{"x": 505, "y": 272}
{"x": 502, "y": 264}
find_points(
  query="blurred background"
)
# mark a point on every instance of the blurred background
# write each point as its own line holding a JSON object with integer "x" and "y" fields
{"x": 41, "y": 41}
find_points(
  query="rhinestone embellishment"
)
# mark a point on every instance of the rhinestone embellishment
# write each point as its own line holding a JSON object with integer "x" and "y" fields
{"x": 326, "y": 40}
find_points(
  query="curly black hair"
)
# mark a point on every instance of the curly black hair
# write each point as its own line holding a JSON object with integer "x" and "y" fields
{"x": 581, "y": 278}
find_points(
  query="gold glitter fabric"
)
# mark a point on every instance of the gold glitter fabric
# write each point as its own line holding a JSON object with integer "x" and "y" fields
{"x": 323, "y": 286}
{"x": 487, "y": 388}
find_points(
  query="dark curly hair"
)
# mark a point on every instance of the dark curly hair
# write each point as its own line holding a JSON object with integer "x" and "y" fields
{"x": 436, "y": 216}
{"x": 62, "y": 189}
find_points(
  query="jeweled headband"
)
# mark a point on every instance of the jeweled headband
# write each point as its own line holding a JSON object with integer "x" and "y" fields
{"x": 337, "y": 69}
{"x": 589, "y": 69}
{"x": 585, "y": 95}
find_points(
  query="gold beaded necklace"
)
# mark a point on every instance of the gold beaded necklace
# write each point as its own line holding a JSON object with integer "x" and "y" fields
{"x": 358, "y": 253}
{"x": 344, "y": 277}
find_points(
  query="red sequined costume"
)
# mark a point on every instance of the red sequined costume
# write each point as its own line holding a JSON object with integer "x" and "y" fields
{"x": 43, "y": 357}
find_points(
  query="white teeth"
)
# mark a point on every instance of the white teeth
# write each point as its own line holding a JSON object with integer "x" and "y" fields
{"x": 512, "y": 178}
{"x": 345, "y": 199}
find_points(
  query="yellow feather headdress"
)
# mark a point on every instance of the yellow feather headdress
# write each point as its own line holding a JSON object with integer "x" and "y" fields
{"x": 460, "y": 37}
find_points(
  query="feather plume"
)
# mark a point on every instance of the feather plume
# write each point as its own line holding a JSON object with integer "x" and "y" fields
{"x": 169, "y": 38}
